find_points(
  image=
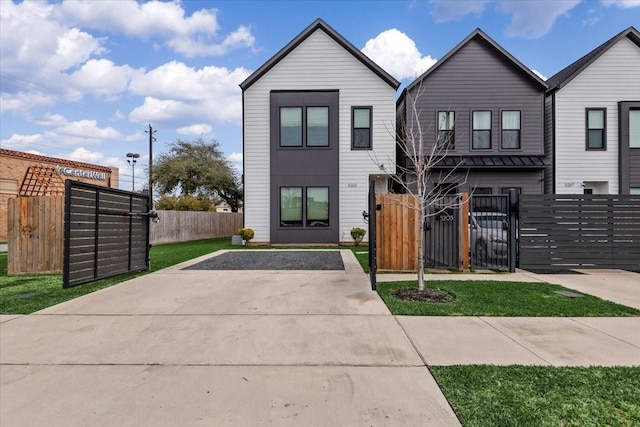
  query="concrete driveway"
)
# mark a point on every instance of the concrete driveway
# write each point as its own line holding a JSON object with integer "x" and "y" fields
{"x": 224, "y": 348}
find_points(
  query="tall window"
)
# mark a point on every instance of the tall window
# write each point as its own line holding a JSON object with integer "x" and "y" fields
{"x": 511, "y": 129}
{"x": 634, "y": 128}
{"x": 361, "y": 132}
{"x": 446, "y": 123}
{"x": 481, "y": 130}
{"x": 317, "y": 206}
{"x": 304, "y": 127}
{"x": 291, "y": 206}
{"x": 317, "y": 126}
{"x": 596, "y": 125}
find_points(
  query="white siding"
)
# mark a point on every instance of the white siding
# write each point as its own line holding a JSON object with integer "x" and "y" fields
{"x": 319, "y": 63}
{"x": 611, "y": 78}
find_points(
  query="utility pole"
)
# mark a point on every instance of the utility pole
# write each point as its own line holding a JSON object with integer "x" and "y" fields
{"x": 152, "y": 138}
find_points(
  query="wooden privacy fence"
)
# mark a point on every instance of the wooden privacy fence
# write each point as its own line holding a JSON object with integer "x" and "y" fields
{"x": 398, "y": 230}
{"x": 183, "y": 226}
{"x": 36, "y": 230}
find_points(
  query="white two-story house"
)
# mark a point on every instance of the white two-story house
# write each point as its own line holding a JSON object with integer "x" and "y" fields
{"x": 316, "y": 116}
{"x": 592, "y": 121}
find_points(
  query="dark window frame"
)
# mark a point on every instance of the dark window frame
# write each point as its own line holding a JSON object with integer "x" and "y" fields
{"x": 446, "y": 135}
{"x": 306, "y": 204}
{"x": 353, "y": 127}
{"x": 588, "y": 129}
{"x": 304, "y": 128}
{"x": 503, "y": 130}
{"x": 473, "y": 130}
{"x": 304, "y": 207}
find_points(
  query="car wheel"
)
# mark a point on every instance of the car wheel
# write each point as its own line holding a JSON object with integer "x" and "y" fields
{"x": 482, "y": 253}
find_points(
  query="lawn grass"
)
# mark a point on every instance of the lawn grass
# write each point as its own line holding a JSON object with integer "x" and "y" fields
{"x": 14, "y": 290}
{"x": 541, "y": 396}
{"x": 493, "y": 298}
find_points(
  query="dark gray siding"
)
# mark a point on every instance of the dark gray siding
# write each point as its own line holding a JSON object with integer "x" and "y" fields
{"x": 629, "y": 158}
{"x": 478, "y": 78}
{"x": 305, "y": 167}
{"x": 549, "y": 143}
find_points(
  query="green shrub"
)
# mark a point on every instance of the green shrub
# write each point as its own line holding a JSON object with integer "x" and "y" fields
{"x": 246, "y": 234}
{"x": 357, "y": 234}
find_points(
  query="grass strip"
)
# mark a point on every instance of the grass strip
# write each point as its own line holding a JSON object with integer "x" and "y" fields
{"x": 483, "y": 395}
{"x": 494, "y": 298}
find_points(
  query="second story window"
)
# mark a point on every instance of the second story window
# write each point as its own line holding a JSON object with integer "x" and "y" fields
{"x": 596, "y": 126}
{"x": 446, "y": 134}
{"x": 634, "y": 128}
{"x": 361, "y": 132}
{"x": 511, "y": 129}
{"x": 481, "y": 130}
{"x": 304, "y": 127}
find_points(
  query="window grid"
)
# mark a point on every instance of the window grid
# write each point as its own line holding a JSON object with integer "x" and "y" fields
{"x": 446, "y": 129}
{"x": 596, "y": 125}
{"x": 306, "y": 127}
{"x": 481, "y": 130}
{"x": 361, "y": 119}
{"x": 511, "y": 129}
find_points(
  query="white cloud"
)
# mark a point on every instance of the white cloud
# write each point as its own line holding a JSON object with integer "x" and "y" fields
{"x": 235, "y": 157}
{"x": 397, "y": 54}
{"x": 530, "y": 20}
{"x": 16, "y": 141}
{"x": 178, "y": 94}
{"x": 51, "y": 120}
{"x": 103, "y": 78}
{"x": 81, "y": 132}
{"x": 447, "y": 10}
{"x": 22, "y": 102}
{"x": 624, "y": 4}
{"x": 198, "y": 129}
{"x": 539, "y": 74}
{"x": 194, "y": 35}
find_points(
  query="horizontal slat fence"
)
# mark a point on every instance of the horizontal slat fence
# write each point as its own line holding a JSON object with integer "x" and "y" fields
{"x": 579, "y": 231}
{"x": 183, "y": 226}
{"x": 36, "y": 229}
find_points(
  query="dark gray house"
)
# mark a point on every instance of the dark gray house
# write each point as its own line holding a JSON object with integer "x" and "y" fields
{"x": 485, "y": 111}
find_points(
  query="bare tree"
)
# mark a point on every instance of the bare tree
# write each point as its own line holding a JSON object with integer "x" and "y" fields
{"x": 427, "y": 185}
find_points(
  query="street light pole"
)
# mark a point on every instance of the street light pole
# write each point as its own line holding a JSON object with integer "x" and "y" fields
{"x": 132, "y": 158}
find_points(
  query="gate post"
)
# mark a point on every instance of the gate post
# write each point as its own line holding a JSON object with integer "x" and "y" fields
{"x": 464, "y": 231}
{"x": 513, "y": 224}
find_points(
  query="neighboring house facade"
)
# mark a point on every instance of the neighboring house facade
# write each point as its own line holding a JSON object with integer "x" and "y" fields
{"x": 487, "y": 110}
{"x": 593, "y": 123}
{"x": 315, "y": 116}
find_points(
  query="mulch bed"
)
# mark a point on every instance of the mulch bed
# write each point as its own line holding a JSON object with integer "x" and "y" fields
{"x": 428, "y": 295}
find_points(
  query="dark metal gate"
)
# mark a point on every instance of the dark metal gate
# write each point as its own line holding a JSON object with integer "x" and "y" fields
{"x": 579, "y": 231}
{"x": 489, "y": 232}
{"x": 373, "y": 264}
{"x": 442, "y": 238}
{"x": 106, "y": 233}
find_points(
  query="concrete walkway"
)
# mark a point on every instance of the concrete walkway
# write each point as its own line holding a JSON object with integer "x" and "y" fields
{"x": 187, "y": 347}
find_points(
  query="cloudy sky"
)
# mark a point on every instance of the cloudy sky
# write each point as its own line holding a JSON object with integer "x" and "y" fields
{"x": 84, "y": 79}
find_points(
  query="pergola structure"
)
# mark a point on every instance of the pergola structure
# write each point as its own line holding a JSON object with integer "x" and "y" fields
{"x": 41, "y": 181}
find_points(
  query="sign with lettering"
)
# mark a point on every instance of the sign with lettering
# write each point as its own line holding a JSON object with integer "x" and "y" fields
{"x": 80, "y": 173}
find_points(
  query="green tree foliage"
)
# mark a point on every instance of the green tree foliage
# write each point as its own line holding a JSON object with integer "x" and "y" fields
{"x": 184, "y": 203}
{"x": 197, "y": 168}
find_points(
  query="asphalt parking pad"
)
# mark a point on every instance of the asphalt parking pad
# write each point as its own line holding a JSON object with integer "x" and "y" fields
{"x": 272, "y": 260}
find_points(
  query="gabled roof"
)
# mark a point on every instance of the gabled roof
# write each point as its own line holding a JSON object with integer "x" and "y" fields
{"x": 478, "y": 33}
{"x": 39, "y": 158}
{"x": 564, "y": 76}
{"x": 319, "y": 24}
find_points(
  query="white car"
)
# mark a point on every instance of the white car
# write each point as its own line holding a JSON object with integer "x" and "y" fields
{"x": 488, "y": 237}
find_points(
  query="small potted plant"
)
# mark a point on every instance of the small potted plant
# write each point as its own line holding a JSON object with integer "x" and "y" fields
{"x": 246, "y": 234}
{"x": 357, "y": 234}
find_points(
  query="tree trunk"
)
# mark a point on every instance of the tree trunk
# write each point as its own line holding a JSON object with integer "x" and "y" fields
{"x": 421, "y": 252}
